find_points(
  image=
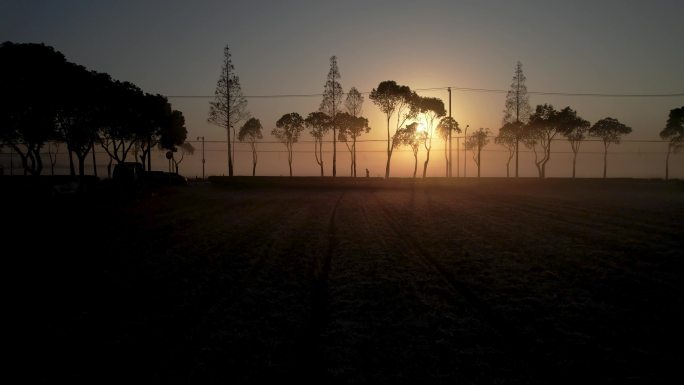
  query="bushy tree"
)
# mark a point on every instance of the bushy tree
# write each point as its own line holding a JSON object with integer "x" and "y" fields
{"x": 574, "y": 128}
{"x": 251, "y": 132}
{"x": 319, "y": 124}
{"x": 674, "y": 134}
{"x": 412, "y": 137}
{"x": 476, "y": 142}
{"x": 509, "y": 138}
{"x": 445, "y": 127}
{"x": 287, "y": 131}
{"x": 609, "y": 130}
{"x": 351, "y": 127}
{"x": 540, "y": 131}
{"x": 393, "y": 99}
{"x": 431, "y": 110}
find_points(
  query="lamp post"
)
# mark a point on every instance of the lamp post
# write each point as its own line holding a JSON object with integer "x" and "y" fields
{"x": 203, "y": 160}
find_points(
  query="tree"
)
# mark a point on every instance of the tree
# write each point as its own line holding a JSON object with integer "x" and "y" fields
{"x": 229, "y": 107}
{"x": 609, "y": 130}
{"x": 574, "y": 129}
{"x": 392, "y": 98}
{"x": 351, "y": 127}
{"x": 444, "y": 129}
{"x": 509, "y": 138}
{"x": 411, "y": 137}
{"x": 319, "y": 123}
{"x": 541, "y": 129}
{"x": 121, "y": 119}
{"x": 287, "y": 131}
{"x": 32, "y": 76}
{"x": 475, "y": 142}
{"x": 251, "y": 132}
{"x": 431, "y": 109}
{"x": 332, "y": 98}
{"x": 674, "y": 133}
{"x": 517, "y": 108}
{"x": 184, "y": 148}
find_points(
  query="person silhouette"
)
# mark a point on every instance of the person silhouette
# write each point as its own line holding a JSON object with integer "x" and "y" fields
{"x": 367, "y": 173}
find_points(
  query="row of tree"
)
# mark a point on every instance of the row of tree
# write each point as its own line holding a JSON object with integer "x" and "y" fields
{"x": 47, "y": 99}
{"x": 418, "y": 121}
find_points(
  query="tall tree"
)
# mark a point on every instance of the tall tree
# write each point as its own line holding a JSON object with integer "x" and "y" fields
{"x": 287, "y": 131}
{"x": 121, "y": 119}
{"x": 445, "y": 127}
{"x": 541, "y": 130}
{"x": 609, "y": 130}
{"x": 476, "y": 142}
{"x": 674, "y": 133}
{"x": 319, "y": 124}
{"x": 574, "y": 129}
{"x": 351, "y": 127}
{"x": 251, "y": 132}
{"x": 431, "y": 110}
{"x": 412, "y": 137}
{"x": 392, "y": 98}
{"x": 354, "y": 106}
{"x": 31, "y": 79}
{"x": 229, "y": 107}
{"x": 332, "y": 98}
{"x": 508, "y": 138}
{"x": 517, "y": 109}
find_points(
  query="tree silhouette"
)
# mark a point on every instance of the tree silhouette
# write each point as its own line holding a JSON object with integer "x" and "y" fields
{"x": 541, "y": 129}
{"x": 184, "y": 148}
{"x": 319, "y": 123}
{"x": 475, "y": 142}
{"x": 229, "y": 107}
{"x": 509, "y": 138}
{"x": 354, "y": 105}
{"x": 287, "y": 131}
{"x": 251, "y": 132}
{"x": 392, "y": 98}
{"x": 32, "y": 77}
{"x": 574, "y": 129}
{"x": 411, "y": 137}
{"x": 444, "y": 129}
{"x": 609, "y": 130}
{"x": 674, "y": 133}
{"x": 517, "y": 109}
{"x": 432, "y": 109}
{"x": 332, "y": 98}
{"x": 351, "y": 127}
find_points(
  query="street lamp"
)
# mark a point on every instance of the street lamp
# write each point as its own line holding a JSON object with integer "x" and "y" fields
{"x": 203, "y": 160}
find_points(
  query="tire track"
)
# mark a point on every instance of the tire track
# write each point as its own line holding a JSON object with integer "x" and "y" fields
{"x": 514, "y": 343}
{"x": 313, "y": 368}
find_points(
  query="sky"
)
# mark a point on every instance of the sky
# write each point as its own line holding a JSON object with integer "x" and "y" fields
{"x": 283, "y": 47}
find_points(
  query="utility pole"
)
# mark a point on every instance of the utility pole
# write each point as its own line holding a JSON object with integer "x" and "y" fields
{"x": 203, "y": 161}
{"x": 465, "y": 150}
{"x": 449, "y": 167}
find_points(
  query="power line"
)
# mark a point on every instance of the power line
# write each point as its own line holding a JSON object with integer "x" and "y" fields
{"x": 463, "y": 89}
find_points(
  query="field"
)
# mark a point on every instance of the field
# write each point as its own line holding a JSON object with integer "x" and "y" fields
{"x": 304, "y": 280}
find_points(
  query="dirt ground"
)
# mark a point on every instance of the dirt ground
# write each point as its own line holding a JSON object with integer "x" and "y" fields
{"x": 277, "y": 280}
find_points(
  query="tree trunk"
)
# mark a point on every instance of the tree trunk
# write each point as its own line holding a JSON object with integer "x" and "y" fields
{"x": 72, "y": 169}
{"x": 334, "y": 168}
{"x": 479, "y": 149}
{"x": 446, "y": 158}
{"x": 389, "y": 151}
{"x": 605, "y": 160}
{"x": 667, "y": 162}
{"x": 354, "y": 156}
{"x": 517, "y": 141}
{"x": 415, "y": 165}
{"x": 92, "y": 148}
{"x": 574, "y": 162}
{"x": 425, "y": 164}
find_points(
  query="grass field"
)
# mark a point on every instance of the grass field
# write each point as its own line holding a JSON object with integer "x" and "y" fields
{"x": 279, "y": 280}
